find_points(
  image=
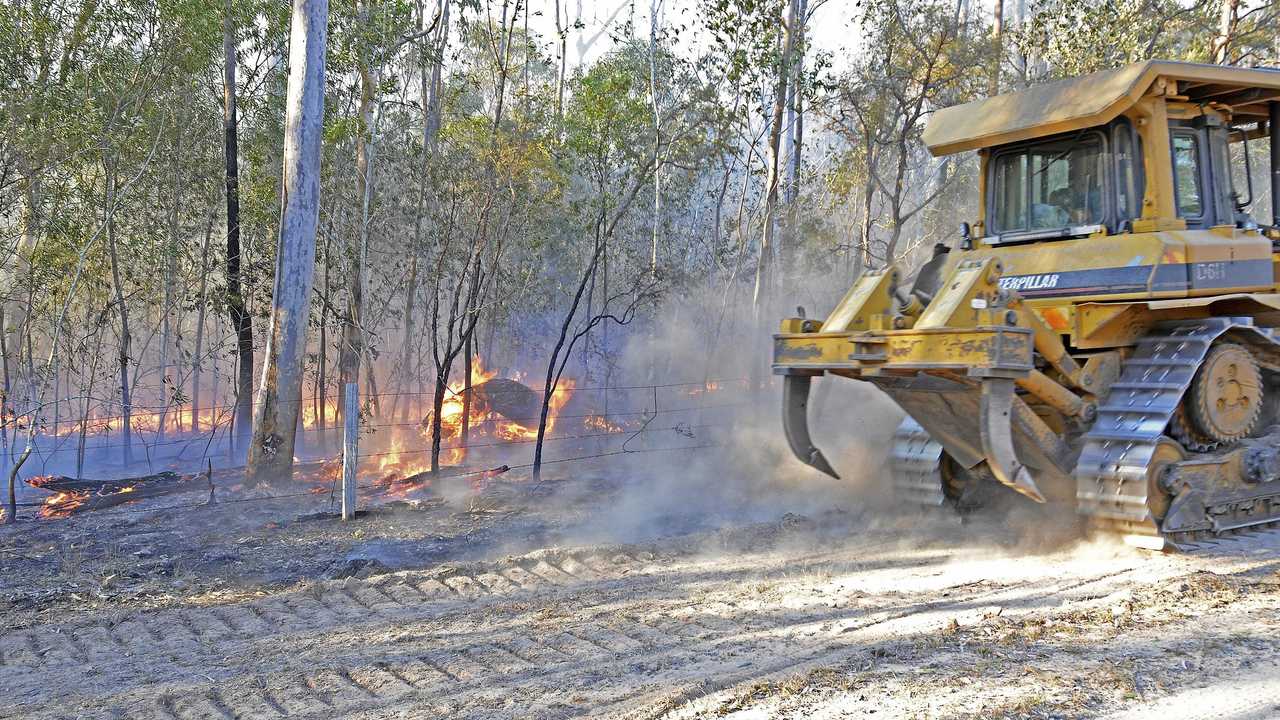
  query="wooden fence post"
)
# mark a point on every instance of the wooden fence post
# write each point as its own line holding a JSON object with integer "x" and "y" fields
{"x": 350, "y": 447}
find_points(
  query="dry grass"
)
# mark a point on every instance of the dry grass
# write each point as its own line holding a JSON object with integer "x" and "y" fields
{"x": 816, "y": 680}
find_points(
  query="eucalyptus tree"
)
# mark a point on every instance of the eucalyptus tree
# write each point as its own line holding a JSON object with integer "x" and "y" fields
{"x": 1075, "y": 37}
{"x": 279, "y": 397}
{"x": 921, "y": 56}
{"x": 237, "y": 310}
{"x": 493, "y": 181}
{"x": 608, "y": 145}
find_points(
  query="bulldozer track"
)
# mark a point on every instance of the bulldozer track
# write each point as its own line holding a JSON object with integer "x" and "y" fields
{"x": 307, "y": 654}
{"x": 1111, "y": 475}
{"x": 916, "y": 462}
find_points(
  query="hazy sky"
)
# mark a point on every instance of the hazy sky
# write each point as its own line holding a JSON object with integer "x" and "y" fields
{"x": 832, "y": 29}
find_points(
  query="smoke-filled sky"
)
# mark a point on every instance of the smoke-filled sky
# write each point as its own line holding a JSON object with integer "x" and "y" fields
{"x": 830, "y": 29}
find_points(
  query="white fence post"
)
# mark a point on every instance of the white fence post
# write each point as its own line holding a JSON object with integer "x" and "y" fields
{"x": 350, "y": 447}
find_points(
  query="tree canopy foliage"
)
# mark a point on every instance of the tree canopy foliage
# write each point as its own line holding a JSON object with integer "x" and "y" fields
{"x": 480, "y": 195}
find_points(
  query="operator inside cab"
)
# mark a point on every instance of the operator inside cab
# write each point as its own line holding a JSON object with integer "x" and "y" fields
{"x": 1056, "y": 185}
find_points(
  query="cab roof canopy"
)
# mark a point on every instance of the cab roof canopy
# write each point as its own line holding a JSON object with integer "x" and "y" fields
{"x": 1096, "y": 99}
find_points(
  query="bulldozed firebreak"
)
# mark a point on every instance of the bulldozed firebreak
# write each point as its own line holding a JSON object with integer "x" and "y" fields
{"x": 1106, "y": 334}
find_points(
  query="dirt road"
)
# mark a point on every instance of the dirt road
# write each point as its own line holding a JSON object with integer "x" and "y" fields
{"x": 830, "y": 617}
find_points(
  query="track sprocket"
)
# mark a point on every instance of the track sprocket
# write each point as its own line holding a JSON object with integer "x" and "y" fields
{"x": 1224, "y": 401}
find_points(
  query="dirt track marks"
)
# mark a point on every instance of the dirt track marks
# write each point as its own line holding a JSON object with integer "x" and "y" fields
{"x": 323, "y": 606}
{"x": 619, "y": 627}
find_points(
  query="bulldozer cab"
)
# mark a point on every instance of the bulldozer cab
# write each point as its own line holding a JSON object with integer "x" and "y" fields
{"x": 1111, "y": 316}
{"x": 1093, "y": 181}
{"x": 1078, "y": 156}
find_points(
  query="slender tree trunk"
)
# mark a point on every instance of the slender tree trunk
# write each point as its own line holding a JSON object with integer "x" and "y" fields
{"x": 166, "y": 304}
{"x": 371, "y": 382}
{"x": 437, "y": 405}
{"x": 88, "y": 401}
{"x": 323, "y": 370}
{"x": 241, "y": 321}
{"x": 997, "y": 56}
{"x": 352, "y": 321}
{"x": 430, "y": 92}
{"x": 554, "y": 365}
{"x": 277, "y": 405}
{"x": 468, "y": 347}
{"x": 197, "y": 359}
{"x": 122, "y": 312}
{"x": 795, "y": 113}
{"x": 896, "y": 200}
{"x": 562, "y": 30}
{"x": 502, "y": 60}
{"x": 6, "y": 402}
{"x": 16, "y": 315}
{"x": 408, "y": 369}
{"x": 471, "y": 307}
{"x": 764, "y": 263}
{"x": 868, "y": 202}
{"x": 657, "y": 136}
{"x": 563, "y": 349}
{"x": 431, "y": 95}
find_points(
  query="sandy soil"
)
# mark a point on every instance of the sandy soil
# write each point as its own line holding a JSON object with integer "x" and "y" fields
{"x": 246, "y": 611}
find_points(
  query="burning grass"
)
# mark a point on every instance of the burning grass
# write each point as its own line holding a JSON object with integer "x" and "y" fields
{"x": 487, "y": 411}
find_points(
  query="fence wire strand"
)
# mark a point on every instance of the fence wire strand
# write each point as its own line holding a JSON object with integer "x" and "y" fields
{"x": 645, "y": 416}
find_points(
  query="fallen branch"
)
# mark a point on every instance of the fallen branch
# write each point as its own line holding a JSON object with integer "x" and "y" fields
{"x": 79, "y": 494}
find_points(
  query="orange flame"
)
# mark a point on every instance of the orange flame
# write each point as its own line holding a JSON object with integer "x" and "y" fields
{"x": 174, "y": 419}
{"x": 598, "y": 422}
{"x": 61, "y": 505}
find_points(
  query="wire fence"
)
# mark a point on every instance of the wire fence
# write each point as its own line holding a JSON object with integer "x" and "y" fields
{"x": 139, "y": 411}
{"x": 628, "y": 420}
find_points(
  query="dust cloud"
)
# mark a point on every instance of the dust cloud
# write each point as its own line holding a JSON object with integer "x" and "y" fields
{"x": 738, "y": 468}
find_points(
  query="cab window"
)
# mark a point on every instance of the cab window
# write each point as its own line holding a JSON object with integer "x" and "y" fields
{"x": 1187, "y": 175}
{"x": 1053, "y": 185}
{"x": 1129, "y": 186}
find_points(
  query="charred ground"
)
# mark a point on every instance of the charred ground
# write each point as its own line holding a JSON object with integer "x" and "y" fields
{"x": 504, "y": 601}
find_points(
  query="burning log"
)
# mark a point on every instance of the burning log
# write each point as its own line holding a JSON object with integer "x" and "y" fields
{"x": 402, "y": 484}
{"x": 511, "y": 399}
{"x": 72, "y": 495}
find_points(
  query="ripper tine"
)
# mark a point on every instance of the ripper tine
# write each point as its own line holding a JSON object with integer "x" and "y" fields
{"x": 795, "y": 421}
{"x": 996, "y": 417}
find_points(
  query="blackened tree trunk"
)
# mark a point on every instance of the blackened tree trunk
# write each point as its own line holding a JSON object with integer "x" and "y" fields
{"x": 279, "y": 397}
{"x": 241, "y": 322}
{"x": 562, "y": 351}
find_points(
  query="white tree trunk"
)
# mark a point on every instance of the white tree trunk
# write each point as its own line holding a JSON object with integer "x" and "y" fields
{"x": 1228, "y": 14}
{"x": 279, "y": 395}
{"x": 997, "y": 56}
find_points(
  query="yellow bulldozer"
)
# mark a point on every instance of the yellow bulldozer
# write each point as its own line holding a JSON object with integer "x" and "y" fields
{"x": 1105, "y": 334}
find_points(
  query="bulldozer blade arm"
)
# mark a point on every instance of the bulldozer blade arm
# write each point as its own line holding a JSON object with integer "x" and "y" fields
{"x": 795, "y": 421}
{"x": 996, "y": 423}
